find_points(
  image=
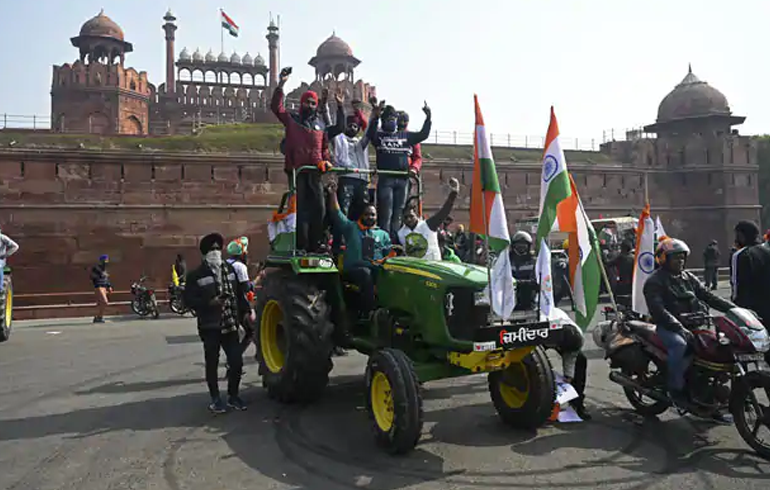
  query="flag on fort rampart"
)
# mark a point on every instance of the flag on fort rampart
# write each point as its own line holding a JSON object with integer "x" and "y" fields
{"x": 229, "y": 24}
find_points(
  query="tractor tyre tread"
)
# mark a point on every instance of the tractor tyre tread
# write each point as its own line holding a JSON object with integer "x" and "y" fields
{"x": 538, "y": 407}
{"x": 309, "y": 331}
{"x": 407, "y": 401}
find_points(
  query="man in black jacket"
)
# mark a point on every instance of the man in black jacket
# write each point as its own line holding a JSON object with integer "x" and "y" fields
{"x": 711, "y": 264}
{"x": 751, "y": 271}
{"x": 219, "y": 301}
{"x": 671, "y": 292}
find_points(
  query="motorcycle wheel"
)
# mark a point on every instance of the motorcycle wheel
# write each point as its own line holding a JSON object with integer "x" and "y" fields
{"x": 743, "y": 402}
{"x": 138, "y": 307}
{"x": 154, "y": 308}
{"x": 645, "y": 406}
{"x": 175, "y": 304}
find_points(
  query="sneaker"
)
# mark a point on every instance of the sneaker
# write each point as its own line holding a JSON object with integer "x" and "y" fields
{"x": 582, "y": 412}
{"x": 236, "y": 403}
{"x": 98, "y": 319}
{"x": 217, "y": 406}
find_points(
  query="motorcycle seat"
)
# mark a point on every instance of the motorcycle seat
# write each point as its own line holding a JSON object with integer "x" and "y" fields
{"x": 643, "y": 329}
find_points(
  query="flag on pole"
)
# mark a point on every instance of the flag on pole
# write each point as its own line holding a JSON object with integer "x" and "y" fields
{"x": 562, "y": 210}
{"x": 488, "y": 219}
{"x": 544, "y": 277}
{"x": 229, "y": 24}
{"x": 644, "y": 260}
{"x": 659, "y": 231}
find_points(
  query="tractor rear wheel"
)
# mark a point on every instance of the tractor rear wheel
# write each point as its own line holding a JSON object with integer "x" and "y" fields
{"x": 524, "y": 393}
{"x": 6, "y": 314}
{"x": 294, "y": 338}
{"x": 393, "y": 401}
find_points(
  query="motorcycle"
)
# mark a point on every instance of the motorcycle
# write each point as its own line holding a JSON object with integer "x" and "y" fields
{"x": 144, "y": 302}
{"x": 176, "y": 301}
{"x": 728, "y": 365}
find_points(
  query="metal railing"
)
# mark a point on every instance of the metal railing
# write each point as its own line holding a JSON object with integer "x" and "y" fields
{"x": 437, "y": 137}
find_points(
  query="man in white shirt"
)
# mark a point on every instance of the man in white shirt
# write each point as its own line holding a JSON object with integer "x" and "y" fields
{"x": 7, "y": 248}
{"x": 418, "y": 236}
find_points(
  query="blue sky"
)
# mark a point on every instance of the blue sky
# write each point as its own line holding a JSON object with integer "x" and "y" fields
{"x": 602, "y": 64}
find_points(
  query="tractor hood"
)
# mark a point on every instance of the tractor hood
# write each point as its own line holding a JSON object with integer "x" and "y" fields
{"x": 458, "y": 274}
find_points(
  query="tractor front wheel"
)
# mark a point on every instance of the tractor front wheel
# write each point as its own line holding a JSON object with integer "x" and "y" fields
{"x": 6, "y": 314}
{"x": 294, "y": 338}
{"x": 524, "y": 393}
{"x": 393, "y": 401}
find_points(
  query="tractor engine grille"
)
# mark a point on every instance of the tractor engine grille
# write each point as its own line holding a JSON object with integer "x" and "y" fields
{"x": 462, "y": 316}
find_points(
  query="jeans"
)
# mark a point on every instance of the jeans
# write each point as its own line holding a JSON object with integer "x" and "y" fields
{"x": 351, "y": 194}
{"x": 363, "y": 277}
{"x": 311, "y": 210}
{"x": 391, "y": 198}
{"x": 213, "y": 341}
{"x": 676, "y": 346}
{"x": 711, "y": 276}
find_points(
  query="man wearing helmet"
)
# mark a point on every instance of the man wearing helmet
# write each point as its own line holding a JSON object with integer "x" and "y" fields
{"x": 671, "y": 291}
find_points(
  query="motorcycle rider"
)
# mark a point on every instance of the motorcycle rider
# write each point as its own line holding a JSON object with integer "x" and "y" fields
{"x": 179, "y": 271}
{"x": 570, "y": 344}
{"x": 671, "y": 291}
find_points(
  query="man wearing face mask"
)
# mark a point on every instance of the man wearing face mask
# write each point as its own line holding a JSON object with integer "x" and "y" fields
{"x": 394, "y": 149}
{"x": 751, "y": 271}
{"x": 366, "y": 244}
{"x": 350, "y": 152}
{"x": 219, "y": 301}
{"x": 418, "y": 236}
{"x": 415, "y": 159}
{"x": 306, "y": 144}
{"x": 671, "y": 291}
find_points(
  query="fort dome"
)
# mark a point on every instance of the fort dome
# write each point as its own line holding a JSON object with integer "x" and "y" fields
{"x": 334, "y": 46}
{"x": 102, "y": 26}
{"x": 692, "y": 98}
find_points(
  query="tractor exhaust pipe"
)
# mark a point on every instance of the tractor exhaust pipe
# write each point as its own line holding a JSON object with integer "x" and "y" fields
{"x": 627, "y": 382}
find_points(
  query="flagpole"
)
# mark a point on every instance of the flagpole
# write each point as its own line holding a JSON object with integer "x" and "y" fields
{"x": 221, "y": 32}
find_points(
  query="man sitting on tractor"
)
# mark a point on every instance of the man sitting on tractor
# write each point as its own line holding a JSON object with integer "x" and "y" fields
{"x": 365, "y": 243}
{"x": 418, "y": 236}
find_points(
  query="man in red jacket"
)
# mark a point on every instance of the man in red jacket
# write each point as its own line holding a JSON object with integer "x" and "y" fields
{"x": 306, "y": 143}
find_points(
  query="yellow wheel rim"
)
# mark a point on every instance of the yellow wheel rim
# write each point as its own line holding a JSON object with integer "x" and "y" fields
{"x": 382, "y": 401}
{"x": 270, "y": 336}
{"x": 8, "y": 306}
{"x": 514, "y": 385}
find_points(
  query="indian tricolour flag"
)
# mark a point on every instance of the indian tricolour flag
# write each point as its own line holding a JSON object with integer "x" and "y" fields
{"x": 561, "y": 210}
{"x": 489, "y": 220}
{"x": 229, "y": 24}
{"x": 644, "y": 263}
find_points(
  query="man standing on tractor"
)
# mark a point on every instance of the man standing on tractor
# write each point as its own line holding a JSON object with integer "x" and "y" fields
{"x": 219, "y": 301}
{"x": 671, "y": 291}
{"x": 365, "y": 244}
{"x": 350, "y": 152}
{"x": 418, "y": 236}
{"x": 570, "y": 343}
{"x": 306, "y": 144}
{"x": 415, "y": 159}
{"x": 394, "y": 149}
{"x": 7, "y": 248}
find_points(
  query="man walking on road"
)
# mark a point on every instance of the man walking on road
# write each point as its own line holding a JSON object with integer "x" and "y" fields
{"x": 100, "y": 278}
{"x": 711, "y": 264}
{"x": 751, "y": 271}
{"x": 219, "y": 301}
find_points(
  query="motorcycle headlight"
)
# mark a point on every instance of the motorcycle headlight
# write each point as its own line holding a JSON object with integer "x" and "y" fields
{"x": 759, "y": 338}
{"x": 481, "y": 298}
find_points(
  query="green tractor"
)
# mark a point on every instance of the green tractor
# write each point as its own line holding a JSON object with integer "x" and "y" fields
{"x": 432, "y": 322}
{"x": 6, "y": 314}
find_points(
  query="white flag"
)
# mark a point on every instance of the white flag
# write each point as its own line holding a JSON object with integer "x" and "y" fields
{"x": 644, "y": 261}
{"x": 543, "y": 272}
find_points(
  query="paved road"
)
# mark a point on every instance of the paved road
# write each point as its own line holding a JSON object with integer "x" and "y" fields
{"x": 122, "y": 405}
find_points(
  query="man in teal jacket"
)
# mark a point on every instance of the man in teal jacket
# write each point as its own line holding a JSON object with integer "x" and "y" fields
{"x": 365, "y": 244}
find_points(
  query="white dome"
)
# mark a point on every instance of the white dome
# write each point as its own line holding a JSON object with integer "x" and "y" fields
{"x": 235, "y": 59}
{"x": 247, "y": 59}
{"x": 210, "y": 58}
{"x": 223, "y": 57}
{"x": 259, "y": 60}
{"x": 197, "y": 56}
{"x": 185, "y": 55}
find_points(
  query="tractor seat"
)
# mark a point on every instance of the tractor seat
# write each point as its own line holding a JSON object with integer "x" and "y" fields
{"x": 643, "y": 329}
